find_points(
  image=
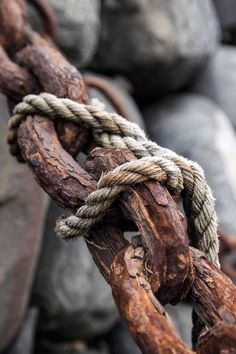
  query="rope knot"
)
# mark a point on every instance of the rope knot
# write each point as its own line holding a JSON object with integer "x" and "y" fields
{"x": 154, "y": 162}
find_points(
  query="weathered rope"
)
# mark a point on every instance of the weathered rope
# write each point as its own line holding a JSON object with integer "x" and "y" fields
{"x": 112, "y": 130}
{"x": 115, "y": 182}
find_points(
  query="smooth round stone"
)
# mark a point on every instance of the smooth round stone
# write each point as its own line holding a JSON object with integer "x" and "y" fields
{"x": 157, "y": 44}
{"x": 78, "y": 27}
{"x": 74, "y": 299}
{"x": 218, "y": 80}
{"x": 198, "y": 129}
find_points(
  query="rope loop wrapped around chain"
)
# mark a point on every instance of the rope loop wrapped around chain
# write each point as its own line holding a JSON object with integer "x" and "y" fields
{"x": 154, "y": 162}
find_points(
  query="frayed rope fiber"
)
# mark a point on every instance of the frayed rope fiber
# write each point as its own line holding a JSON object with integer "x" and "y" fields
{"x": 110, "y": 130}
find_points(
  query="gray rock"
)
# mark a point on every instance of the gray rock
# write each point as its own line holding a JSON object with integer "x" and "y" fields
{"x": 47, "y": 346}
{"x": 22, "y": 209}
{"x": 218, "y": 80}
{"x": 196, "y": 128}
{"x": 78, "y": 27}
{"x": 24, "y": 342}
{"x": 75, "y": 301}
{"x": 120, "y": 340}
{"x": 181, "y": 316}
{"x": 157, "y": 44}
{"x": 226, "y": 12}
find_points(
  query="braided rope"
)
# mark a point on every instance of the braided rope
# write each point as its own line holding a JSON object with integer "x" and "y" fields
{"x": 114, "y": 183}
{"x": 155, "y": 162}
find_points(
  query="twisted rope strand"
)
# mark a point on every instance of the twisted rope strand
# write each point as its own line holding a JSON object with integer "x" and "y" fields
{"x": 155, "y": 162}
{"x": 112, "y": 184}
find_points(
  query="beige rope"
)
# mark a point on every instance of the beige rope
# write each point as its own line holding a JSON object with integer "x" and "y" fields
{"x": 112, "y": 130}
{"x": 114, "y": 183}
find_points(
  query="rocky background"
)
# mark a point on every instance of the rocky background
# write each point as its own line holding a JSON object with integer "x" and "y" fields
{"x": 171, "y": 66}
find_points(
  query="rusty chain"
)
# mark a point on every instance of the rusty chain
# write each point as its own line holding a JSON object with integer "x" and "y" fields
{"x": 155, "y": 268}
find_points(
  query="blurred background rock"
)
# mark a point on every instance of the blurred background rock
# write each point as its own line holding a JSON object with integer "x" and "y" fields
{"x": 157, "y": 44}
{"x": 78, "y": 27}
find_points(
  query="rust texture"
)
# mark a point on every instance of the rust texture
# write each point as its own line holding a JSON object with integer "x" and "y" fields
{"x": 221, "y": 339}
{"x": 32, "y": 52}
{"x": 56, "y": 171}
{"x": 227, "y": 246}
{"x": 149, "y": 270}
{"x": 160, "y": 224}
{"x": 146, "y": 318}
{"x": 214, "y": 294}
{"x": 13, "y": 23}
{"x": 59, "y": 78}
{"x": 24, "y": 83}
